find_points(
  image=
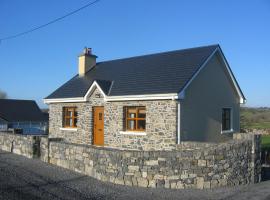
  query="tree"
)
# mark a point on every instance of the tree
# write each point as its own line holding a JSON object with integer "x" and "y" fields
{"x": 3, "y": 95}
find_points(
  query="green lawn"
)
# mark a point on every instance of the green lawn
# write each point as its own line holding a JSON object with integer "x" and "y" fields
{"x": 259, "y": 125}
{"x": 266, "y": 141}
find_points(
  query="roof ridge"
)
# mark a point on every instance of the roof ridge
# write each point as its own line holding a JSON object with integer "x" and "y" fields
{"x": 158, "y": 53}
{"x": 151, "y": 71}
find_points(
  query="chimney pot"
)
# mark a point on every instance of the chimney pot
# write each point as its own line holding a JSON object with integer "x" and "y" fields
{"x": 87, "y": 61}
{"x": 87, "y": 51}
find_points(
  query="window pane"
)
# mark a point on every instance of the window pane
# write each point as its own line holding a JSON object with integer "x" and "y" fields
{"x": 135, "y": 118}
{"x": 131, "y": 115}
{"x": 99, "y": 116}
{"x": 67, "y": 122}
{"x": 226, "y": 119}
{"x": 70, "y": 122}
{"x": 141, "y": 113}
{"x": 228, "y": 124}
{"x": 69, "y": 113}
{"x": 75, "y": 122}
{"x": 141, "y": 124}
{"x": 69, "y": 117}
{"x": 132, "y": 110}
{"x": 131, "y": 124}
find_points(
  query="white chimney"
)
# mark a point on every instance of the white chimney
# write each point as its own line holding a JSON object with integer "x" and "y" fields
{"x": 87, "y": 60}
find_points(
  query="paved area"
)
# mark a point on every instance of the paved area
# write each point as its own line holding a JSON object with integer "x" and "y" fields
{"x": 22, "y": 178}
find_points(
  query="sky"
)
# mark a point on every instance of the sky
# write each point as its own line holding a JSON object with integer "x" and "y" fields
{"x": 34, "y": 65}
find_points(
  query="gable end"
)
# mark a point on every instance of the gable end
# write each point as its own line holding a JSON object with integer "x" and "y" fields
{"x": 218, "y": 51}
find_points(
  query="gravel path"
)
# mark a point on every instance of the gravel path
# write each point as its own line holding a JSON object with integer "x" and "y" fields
{"x": 22, "y": 178}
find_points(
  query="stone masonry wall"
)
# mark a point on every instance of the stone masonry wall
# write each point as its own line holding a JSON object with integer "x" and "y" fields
{"x": 161, "y": 126}
{"x": 256, "y": 131}
{"x": 44, "y": 149}
{"x": 83, "y": 133}
{"x": 209, "y": 166}
{"x": 190, "y": 165}
{"x": 26, "y": 145}
{"x": 255, "y": 153}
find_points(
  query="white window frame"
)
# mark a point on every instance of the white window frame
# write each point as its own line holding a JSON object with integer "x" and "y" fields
{"x": 138, "y": 133}
{"x": 231, "y": 121}
{"x": 68, "y": 129}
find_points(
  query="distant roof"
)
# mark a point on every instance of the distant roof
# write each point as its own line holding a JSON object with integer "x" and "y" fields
{"x": 20, "y": 110}
{"x": 159, "y": 73}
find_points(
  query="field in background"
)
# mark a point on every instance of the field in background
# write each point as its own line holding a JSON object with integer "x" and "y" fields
{"x": 255, "y": 118}
{"x": 265, "y": 141}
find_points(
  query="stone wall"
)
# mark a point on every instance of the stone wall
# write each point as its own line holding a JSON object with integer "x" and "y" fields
{"x": 257, "y": 131}
{"x": 83, "y": 133}
{"x": 44, "y": 149}
{"x": 161, "y": 124}
{"x": 161, "y": 119}
{"x": 255, "y": 153}
{"x": 190, "y": 165}
{"x": 210, "y": 166}
{"x": 26, "y": 145}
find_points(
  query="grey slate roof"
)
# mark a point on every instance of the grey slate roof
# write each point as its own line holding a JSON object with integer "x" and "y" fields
{"x": 13, "y": 110}
{"x": 159, "y": 73}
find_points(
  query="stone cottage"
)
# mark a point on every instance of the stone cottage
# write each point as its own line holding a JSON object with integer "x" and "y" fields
{"x": 149, "y": 102}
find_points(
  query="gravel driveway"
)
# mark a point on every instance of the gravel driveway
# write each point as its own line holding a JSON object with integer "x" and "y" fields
{"x": 22, "y": 178}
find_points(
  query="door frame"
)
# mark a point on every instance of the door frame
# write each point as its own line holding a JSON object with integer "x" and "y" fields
{"x": 93, "y": 128}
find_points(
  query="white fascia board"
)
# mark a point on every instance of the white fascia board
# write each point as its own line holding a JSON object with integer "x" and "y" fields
{"x": 171, "y": 96}
{"x": 242, "y": 98}
{"x": 181, "y": 94}
{"x": 77, "y": 99}
{"x": 64, "y": 100}
{"x": 95, "y": 85}
{"x": 92, "y": 88}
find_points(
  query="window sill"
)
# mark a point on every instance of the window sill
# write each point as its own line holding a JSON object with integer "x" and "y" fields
{"x": 132, "y": 133}
{"x": 227, "y": 131}
{"x": 68, "y": 129}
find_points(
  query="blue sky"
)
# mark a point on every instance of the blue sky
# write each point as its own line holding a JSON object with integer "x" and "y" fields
{"x": 34, "y": 65}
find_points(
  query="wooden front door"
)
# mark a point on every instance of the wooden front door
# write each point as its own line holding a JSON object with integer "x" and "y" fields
{"x": 98, "y": 126}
